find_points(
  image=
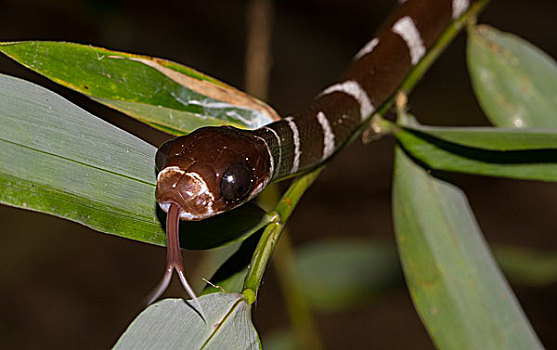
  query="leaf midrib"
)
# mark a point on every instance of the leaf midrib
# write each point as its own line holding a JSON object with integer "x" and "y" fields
{"x": 221, "y": 323}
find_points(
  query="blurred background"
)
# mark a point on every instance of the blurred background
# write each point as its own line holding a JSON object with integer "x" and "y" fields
{"x": 64, "y": 286}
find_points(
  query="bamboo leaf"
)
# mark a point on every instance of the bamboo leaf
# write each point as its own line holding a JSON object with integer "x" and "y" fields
{"x": 164, "y": 94}
{"x": 492, "y": 139}
{"x": 232, "y": 226}
{"x": 515, "y": 82}
{"x": 280, "y": 339}
{"x": 172, "y": 324}
{"x": 525, "y": 266}
{"x": 58, "y": 159}
{"x": 460, "y": 294}
{"x": 528, "y": 154}
{"x": 231, "y": 274}
{"x": 341, "y": 274}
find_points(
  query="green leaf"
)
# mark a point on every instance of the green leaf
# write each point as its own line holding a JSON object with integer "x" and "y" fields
{"x": 210, "y": 262}
{"x": 527, "y": 266}
{"x": 231, "y": 274}
{"x": 515, "y": 82}
{"x": 460, "y": 294}
{"x": 528, "y": 154}
{"x": 343, "y": 273}
{"x": 172, "y": 324}
{"x": 164, "y": 94}
{"x": 231, "y": 226}
{"x": 492, "y": 139}
{"x": 280, "y": 339}
{"x": 232, "y": 284}
{"x": 58, "y": 159}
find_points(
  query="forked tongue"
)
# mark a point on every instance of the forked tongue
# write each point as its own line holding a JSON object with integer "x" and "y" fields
{"x": 174, "y": 260}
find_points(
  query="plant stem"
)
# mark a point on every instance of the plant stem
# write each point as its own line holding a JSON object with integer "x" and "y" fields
{"x": 292, "y": 196}
{"x": 258, "y": 51}
{"x": 272, "y": 232}
{"x": 299, "y": 312}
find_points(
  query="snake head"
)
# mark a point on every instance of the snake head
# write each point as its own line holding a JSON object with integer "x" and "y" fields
{"x": 211, "y": 170}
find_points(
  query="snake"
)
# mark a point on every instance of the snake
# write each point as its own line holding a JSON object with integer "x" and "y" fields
{"x": 215, "y": 169}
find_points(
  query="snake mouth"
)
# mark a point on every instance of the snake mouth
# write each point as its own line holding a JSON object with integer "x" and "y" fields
{"x": 184, "y": 213}
{"x": 186, "y": 189}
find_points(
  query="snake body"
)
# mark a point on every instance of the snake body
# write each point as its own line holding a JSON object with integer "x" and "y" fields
{"x": 215, "y": 169}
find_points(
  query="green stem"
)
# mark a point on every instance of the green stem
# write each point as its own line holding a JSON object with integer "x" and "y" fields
{"x": 299, "y": 312}
{"x": 272, "y": 232}
{"x": 292, "y": 196}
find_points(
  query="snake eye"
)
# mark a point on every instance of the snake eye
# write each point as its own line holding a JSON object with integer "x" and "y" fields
{"x": 236, "y": 183}
{"x": 162, "y": 152}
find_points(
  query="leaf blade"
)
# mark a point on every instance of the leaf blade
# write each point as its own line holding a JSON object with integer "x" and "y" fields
{"x": 529, "y": 267}
{"x": 515, "y": 82}
{"x": 122, "y": 80}
{"x": 171, "y": 324}
{"x": 492, "y": 139}
{"x": 42, "y": 129}
{"x": 452, "y": 277}
{"x": 340, "y": 274}
{"x": 455, "y": 150}
{"x": 59, "y": 159}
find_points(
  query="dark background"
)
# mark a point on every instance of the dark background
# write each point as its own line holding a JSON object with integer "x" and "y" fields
{"x": 67, "y": 287}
